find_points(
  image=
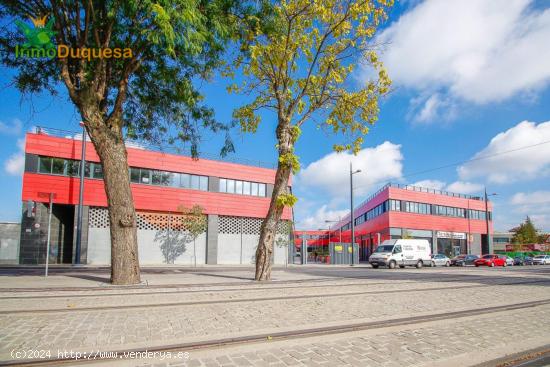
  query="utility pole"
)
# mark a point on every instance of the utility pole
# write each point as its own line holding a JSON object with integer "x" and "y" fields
{"x": 80, "y": 197}
{"x": 489, "y": 239}
{"x": 352, "y": 219}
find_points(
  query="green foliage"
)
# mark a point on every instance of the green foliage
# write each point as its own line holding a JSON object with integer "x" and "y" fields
{"x": 525, "y": 233}
{"x": 193, "y": 220}
{"x": 154, "y": 94}
{"x": 286, "y": 199}
{"x": 406, "y": 235}
{"x": 302, "y": 68}
{"x": 290, "y": 160}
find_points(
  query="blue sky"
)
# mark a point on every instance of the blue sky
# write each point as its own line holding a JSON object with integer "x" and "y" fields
{"x": 470, "y": 80}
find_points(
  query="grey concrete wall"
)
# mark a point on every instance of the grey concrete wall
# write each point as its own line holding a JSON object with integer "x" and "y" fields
{"x": 84, "y": 239}
{"x": 475, "y": 245}
{"x": 99, "y": 246}
{"x": 229, "y": 249}
{"x": 9, "y": 243}
{"x": 212, "y": 240}
{"x": 241, "y": 249}
{"x": 155, "y": 247}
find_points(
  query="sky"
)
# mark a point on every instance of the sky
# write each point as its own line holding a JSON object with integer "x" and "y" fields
{"x": 469, "y": 109}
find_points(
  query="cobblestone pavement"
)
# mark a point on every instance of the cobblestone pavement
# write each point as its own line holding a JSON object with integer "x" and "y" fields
{"x": 420, "y": 345}
{"x": 407, "y": 295}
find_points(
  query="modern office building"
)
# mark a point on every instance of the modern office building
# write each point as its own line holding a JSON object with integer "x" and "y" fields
{"x": 452, "y": 223}
{"x": 234, "y": 197}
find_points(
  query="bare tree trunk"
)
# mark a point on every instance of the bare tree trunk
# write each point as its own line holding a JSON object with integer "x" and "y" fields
{"x": 110, "y": 147}
{"x": 268, "y": 230}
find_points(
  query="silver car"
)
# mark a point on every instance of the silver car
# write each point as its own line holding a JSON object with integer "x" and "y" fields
{"x": 508, "y": 259}
{"x": 441, "y": 260}
{"x": 541, "y": 260}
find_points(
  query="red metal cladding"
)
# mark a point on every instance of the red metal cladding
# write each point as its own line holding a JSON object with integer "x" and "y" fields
{"x": 400, "y": 219}
{"x": 148, "y": 197}
{"x": 52, "y": 146}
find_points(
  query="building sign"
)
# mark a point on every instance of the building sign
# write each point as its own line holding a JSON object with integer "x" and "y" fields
{"x": 453, "y": 235}
{"x": 338, "y": 248}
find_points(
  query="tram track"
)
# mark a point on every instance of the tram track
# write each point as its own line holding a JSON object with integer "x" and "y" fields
{"x": 189, "y": 287}
{"x": 282, "y": 335}
{"x": 258, "y": 299}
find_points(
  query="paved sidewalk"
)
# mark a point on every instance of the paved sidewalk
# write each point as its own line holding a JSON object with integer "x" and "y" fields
{"x": 141, "y": 317}
{"x": 443, "y": 343}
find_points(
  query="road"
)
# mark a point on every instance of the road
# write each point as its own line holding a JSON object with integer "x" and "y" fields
{"x": 307, "y": 316}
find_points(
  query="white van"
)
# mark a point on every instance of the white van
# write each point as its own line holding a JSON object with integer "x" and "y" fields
{"x": 392, "y": 253}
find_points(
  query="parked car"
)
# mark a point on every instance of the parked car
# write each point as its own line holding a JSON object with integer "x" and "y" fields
{"x": 528, "y": 260}
{"x": 508, "y": 259}
{"x": 402, "y": 252}
{"x": 490, "y": 260}
{"x": 441, "y": 260}
{"x": 463, "y": 260}
{"x": 541, "y": 260}
{"x": 518, "y": 260}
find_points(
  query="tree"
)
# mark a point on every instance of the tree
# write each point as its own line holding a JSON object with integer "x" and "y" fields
{"x": 406, "y": 235}
{"x": 195, "y": 223}
{"x": 128, "y": 67}
{"x": 301, "y": 71}
{"x": 525, "y": 233}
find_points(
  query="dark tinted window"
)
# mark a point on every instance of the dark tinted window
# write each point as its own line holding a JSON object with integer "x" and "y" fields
{"x": 58, "y": 166}
{"x": 45, "y": 165}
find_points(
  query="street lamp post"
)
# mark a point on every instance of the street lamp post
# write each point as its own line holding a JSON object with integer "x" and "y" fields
{"x": 340, "y": 229}
{"x": 489, "y": 240}
{"x": 352, "y": 221}
{"x": 80, "y": 197}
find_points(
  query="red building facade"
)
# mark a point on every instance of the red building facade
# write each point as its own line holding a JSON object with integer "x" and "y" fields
{"x": 234, "y": 197}
{"x": 453, "y": 223}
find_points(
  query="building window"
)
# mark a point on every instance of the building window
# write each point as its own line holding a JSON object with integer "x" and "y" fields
{"x": 58, "y": 166}
{"x": 242, "y": 187}
{"x": 230, "y": 186}
{"x": 203, "y": 183}
{"x": 144, "y": 176}
{"x": 185, "y": 181}
{"x": 238, "y": 187}
{"x": 45, "y": 165}
{"x": 254, "y": 188}
{"x": 97, "y": 171}
{"x": 134, "y": 175}
{"x": 246, "y": 188}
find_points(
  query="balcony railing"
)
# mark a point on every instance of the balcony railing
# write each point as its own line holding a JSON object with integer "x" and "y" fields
{"x": 66, "y": 134}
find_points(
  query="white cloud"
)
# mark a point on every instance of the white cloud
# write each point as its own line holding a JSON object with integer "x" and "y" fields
{"x": 518, "y": 165}
{"x": 331, "y": 172}
{"x": 532, "y": 198}
{"x": 458, "y": 187}
{"x": 430, "y": 184}
{"x": 462, "y": 187}
{"x": 15, "y": 164}
{"x": 318, "y": 219}
{"x": 11, "y": 129}
{"x": 534, "y": 204}
{"x": 427, "y": 108}
{"x": 473, "y": 50}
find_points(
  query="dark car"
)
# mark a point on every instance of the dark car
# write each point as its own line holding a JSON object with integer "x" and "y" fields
{"x": 518, "y": 260}
{"x": 527, "y": 260}
{"x": 464, "y": 260}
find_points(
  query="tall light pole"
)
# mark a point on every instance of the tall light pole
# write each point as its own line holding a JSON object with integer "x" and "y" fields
{"x": 352, "y": 221}
{"x": 340, "y": 229}
{"x": 489, "y": 239}
{"x": 80, "y": 197}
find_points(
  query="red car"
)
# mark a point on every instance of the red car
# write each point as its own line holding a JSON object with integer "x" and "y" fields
{"x": 490, "y": 260}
